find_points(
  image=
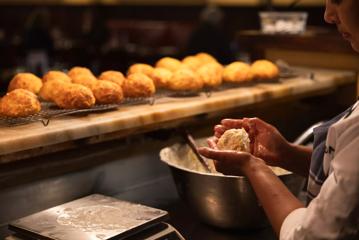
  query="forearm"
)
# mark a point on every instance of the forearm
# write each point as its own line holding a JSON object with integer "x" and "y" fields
{"x": 297, "y": 159}
{"x": 275, "y": 198}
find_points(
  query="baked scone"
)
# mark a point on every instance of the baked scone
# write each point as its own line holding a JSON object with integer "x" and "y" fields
{"x": 138, "y": 85}
{"x": 234, "y": 139}
{"x": 26, "y": 81}
{"x": 264, "y": 69}
{"x": 19, "y": 103}
{"x": 205, "y": 58}
{"x": 237, "y": 72}
{"x": 185, "y": 79}
{"x": 107, "y": 92}
{"x": 211, "y": 74}
{"x": 56, "y": 75}
{"x": 169, "y": 63}
{"x": 84, "y": 79}
{"x": 140, "y": 68}
{"x": 75, "y": 96}
{"x": 161, "y": 77}
{"x": 113, "y": 76}
{"x": 51, "y": 88}
{"x": 192, "y": 62}
{"x": 79, "y": 71}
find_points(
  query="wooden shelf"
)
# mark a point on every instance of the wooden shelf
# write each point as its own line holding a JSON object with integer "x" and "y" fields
{"x": 77, "y": 131}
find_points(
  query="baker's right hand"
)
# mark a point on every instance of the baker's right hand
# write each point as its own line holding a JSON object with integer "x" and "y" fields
{"x": 266, "y": 142}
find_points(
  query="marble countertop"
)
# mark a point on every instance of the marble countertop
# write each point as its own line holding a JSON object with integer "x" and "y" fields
{"x": 128, "y": 118}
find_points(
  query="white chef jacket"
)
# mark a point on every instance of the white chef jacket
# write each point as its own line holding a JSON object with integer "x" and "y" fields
{"x": 334, "y": 213}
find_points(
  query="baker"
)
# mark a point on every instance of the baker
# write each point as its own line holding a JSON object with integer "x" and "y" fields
{"x": 332, "y": 165}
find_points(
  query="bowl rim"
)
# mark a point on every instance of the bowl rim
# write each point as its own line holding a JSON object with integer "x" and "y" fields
{"x": 210, "y": 174}
{"x": 200, "y": 173}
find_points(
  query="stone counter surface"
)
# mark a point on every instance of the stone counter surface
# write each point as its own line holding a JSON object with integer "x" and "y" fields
{"x": 164, "y": 110}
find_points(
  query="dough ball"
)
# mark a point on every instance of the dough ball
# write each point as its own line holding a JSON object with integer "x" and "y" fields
{"x": 75, "y": 96}
{"x": 161, "y": 77}
{"x": 234, "y": 139}
{"x": 238, "y": 140}
{"x": 265, "y": 70}
{"x": 107, "y": 92}
{"x": 56, "y": 75}
{"x": 138, "y": 85}
{"x": 185, "y": 79}
{"x": 19, "y": 103}
{"x": 26, "y": 81}
{"x": 113, "y": 76}
{"x": 169, "y": 63}
{"x": 237, "y": 72}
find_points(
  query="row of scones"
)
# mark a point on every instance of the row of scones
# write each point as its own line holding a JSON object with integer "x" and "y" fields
{"x": 79, "y": 88}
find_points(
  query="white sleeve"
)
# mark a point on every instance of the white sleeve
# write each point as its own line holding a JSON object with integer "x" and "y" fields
{"x": 334, "y": 213}
{"x": 293, "y": 220}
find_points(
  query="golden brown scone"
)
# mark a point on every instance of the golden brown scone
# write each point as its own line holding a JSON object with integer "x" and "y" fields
{"x": 161, "y": 77}
{"x": 19, "y": 103}
{"x": 79, "y": 71}
{"x": 75, "y": 96}
{"x": 50, "y": 89}
{"x": 237, "y": 72}
{"x": 185, "y": 79}
{"x": 138, "y": 85}
{"x": 192, "y": 62}
{"x": 264, "y": 69}
{"x": 56, "y": 75}
{"x": 26, "y": 81}
{"x": 107, "y": 92}
{"x": 84, "y": 79}
{"x": 205, "y": 58}
{"x": 140, "y": 68}
{"x": 113, "y": 76}
{"x": 211, "y": 74}
{"x": 169, "y": 63}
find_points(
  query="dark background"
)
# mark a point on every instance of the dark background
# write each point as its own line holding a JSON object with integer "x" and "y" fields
{"x": 120, "y": 35}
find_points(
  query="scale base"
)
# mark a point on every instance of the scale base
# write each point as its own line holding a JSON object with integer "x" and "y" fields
{"x": 160, "y": 231}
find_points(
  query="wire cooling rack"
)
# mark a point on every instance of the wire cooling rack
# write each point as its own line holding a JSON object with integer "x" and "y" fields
{"x": 160, "y": 93}
{"x": 50, "y": 110}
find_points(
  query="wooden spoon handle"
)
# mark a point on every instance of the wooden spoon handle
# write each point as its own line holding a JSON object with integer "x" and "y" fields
{"x": 190, "y": 141}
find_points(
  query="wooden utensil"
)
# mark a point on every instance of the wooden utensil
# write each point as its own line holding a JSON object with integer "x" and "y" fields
{"x": 190, "y": 141}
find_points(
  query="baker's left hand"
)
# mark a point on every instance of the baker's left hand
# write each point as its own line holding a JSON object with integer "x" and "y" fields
{"x": 229, "y": 162}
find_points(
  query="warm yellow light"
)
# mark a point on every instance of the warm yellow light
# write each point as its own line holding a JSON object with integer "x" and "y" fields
{"x": 166, "y": 2}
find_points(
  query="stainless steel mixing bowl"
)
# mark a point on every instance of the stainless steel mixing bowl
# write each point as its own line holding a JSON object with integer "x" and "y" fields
{"x": 223, "y": 201}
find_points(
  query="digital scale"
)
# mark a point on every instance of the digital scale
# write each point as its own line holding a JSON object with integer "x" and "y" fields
{"x": 95, "y": 217}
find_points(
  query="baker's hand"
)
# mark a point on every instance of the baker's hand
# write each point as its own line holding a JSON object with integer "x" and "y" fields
{"x": 230, "y": 162}
{"x": 266, "y": 142}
